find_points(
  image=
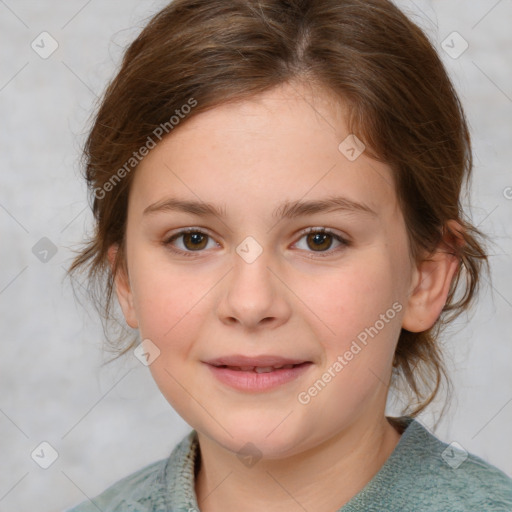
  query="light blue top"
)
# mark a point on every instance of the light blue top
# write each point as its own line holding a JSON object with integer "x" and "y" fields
{"x": 422, "y": 474}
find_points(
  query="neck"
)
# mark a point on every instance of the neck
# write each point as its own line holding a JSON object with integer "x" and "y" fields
{"x": 323, "y": 478}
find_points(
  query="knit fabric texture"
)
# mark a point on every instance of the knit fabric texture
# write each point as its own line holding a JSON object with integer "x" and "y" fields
{"x": 422, "y": 474}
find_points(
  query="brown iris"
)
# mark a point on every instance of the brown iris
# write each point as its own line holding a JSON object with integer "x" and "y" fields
{"x": 319, "y": 240}
{"x": 198, "y": 240}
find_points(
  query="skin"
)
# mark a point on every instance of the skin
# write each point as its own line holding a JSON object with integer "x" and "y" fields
{"x": 248, "y": 158}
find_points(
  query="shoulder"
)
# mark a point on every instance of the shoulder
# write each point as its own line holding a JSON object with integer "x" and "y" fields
{"x": 145, "y": 490}
{"x": 446, "y": 477}
{"x": 132, "y": 490}
{"x": 478, "y": 484}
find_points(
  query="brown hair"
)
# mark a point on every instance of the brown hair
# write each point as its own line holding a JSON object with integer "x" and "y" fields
{"x": 401, "y": 103}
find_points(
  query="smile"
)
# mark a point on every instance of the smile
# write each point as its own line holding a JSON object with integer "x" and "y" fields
{"x": 258, "y": 378}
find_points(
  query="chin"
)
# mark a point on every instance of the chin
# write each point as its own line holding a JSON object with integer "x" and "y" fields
{"x": 255, "y": 438}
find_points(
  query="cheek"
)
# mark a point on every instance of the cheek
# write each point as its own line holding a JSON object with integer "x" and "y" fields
{"x": 348, "y": 299}
{"x": 357, "y": 318}
{"x": 171, "y": 304}
{"x": 167, "y": 298}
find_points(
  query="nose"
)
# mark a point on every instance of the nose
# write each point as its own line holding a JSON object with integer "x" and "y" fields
{"x": 254, "y": 295}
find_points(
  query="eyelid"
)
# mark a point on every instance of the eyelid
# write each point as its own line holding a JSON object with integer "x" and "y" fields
{"x": 342, "y": 239}
{"x": 170, "y": 238}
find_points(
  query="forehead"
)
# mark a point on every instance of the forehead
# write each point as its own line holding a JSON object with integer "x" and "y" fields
{"x": 250, "y": 156}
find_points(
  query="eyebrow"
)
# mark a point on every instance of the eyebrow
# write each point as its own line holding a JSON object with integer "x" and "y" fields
{"x": 287, "y": 210}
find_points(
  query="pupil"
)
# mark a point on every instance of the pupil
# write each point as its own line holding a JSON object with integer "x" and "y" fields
{"x": 319, "y": 239}
{"x": 196, "y": 240}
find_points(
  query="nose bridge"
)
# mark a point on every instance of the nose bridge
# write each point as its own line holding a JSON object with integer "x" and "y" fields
{"x": 253, "y": 293}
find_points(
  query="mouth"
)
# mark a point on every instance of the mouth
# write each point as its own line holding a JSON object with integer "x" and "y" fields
{"x": 260, "y": 369}
{"x": 256, "y": 374}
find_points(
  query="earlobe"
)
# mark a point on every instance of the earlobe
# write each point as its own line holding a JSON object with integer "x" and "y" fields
{"x": 429, "y": 289}
{"x": 123, "y": 288}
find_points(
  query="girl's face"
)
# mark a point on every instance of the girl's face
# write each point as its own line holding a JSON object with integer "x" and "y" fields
{"x": 250, "y": 286}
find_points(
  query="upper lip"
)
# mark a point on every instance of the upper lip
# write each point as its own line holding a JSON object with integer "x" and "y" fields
{"x": 262, "y": 361}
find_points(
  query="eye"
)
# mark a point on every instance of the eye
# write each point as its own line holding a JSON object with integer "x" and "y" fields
{"x": 321, "y": 239}
{"x": 193, "y": 240}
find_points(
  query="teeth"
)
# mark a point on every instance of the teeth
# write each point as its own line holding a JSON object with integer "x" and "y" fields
{"x": 260, "y": 369}
{"x": 263, "y": 369}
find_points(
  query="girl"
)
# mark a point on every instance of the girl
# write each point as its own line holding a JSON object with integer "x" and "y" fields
{"x": 276, "y": 191}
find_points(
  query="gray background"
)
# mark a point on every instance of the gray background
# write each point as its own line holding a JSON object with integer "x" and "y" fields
{"x": 107, "y": 422}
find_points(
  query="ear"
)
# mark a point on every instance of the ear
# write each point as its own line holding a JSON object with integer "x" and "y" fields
{"x": 123, "y": 289}
{"x": 431, "y": 282}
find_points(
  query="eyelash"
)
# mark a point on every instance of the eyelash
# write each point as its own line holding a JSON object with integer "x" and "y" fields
{"x": 322, "y": 254}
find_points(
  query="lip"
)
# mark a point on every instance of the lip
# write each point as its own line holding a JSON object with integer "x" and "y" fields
{"x": 250, "y": 381}
{"x": 262, "y": 360}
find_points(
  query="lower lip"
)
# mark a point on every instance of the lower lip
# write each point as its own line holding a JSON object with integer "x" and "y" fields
{"x": 252, "y": 381}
